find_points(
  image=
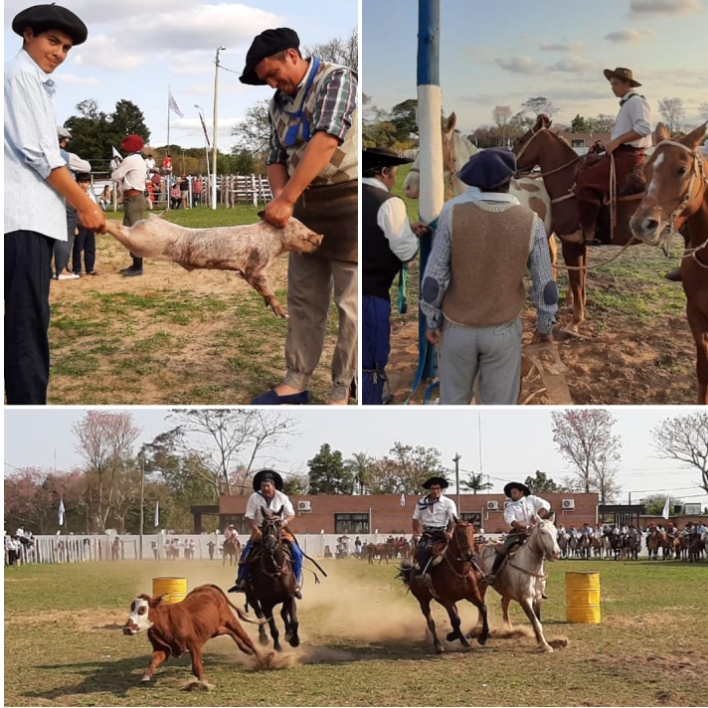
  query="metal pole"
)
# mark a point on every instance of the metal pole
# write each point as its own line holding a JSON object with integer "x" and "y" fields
{"x": 206, "y": 150}
{"x": 142, "y": 499}
{"x": 216, "y": 108}
{"x": 456, "y": 459}
{"x": 167, "y": 151}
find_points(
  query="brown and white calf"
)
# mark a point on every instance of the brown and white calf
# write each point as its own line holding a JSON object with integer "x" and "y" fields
{"x": 205, "y": 613}
{"x": 248, "y": 249}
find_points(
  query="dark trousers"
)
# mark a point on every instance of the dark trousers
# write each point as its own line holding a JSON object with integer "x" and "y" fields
{"x": 28, "y": 274}
{"x": 62, "y": 249}
{"x": 133, "y": 208}
{"x": 85, "y": 242}
{"x": 375, "y": 347}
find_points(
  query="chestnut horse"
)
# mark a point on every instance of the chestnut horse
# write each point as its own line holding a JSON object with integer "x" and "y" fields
{"x": 558, "y": 162}
{"x": 677, "y": 198}
{"x": 454, "y": 578}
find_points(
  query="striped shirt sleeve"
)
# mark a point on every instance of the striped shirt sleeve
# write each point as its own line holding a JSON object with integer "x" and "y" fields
{"x": 277, "y": 154}
{"x": 336, "y": 103}
{"x": 438, "y": 271}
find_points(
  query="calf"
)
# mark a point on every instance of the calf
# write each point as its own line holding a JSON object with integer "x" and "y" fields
{"x": 174, "y": 629}
{"x": 249, "y": 249}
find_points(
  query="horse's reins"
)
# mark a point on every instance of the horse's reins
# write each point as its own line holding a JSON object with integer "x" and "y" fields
{"x": 526, "y": 571}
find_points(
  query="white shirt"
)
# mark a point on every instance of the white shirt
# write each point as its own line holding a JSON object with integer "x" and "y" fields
{"x": 131, "y": 173}
{"x": 525, "y": 509}
{"x": 635, "y": 115}
{"x": 438, "y": 513}
{"x": 150, "y": 164}
{"x": 20, "y": 532}
{"x": 392, "y": 219}
{"x": 256, "y": 502}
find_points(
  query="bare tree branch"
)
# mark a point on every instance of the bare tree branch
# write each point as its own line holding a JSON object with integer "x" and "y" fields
{"x": 685, "y": 438}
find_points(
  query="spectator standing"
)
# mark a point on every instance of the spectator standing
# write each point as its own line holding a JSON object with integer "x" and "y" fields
{"x": 184, "y": 191}
{"x": 175, "y": 196}
{"x": 131, "y": 176}
{"x": 85, "y": 241}
{"x": 197, "y": 191}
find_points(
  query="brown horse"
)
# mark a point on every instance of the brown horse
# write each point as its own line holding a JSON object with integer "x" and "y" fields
{"x": 558, "y": 162}
{"x": 232, "y": 549}
{"x": 677, "y": 198}
{"x": 454, "y": 578}
{"x": 656, "y": 540}
{"x": 272, "y": 582}
{"x": 381, "y": 550}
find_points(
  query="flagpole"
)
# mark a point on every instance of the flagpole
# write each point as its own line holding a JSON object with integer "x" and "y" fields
{"x": 167, "y": 149}
{"x": 142, "y": 499}
{"x": 216, "y": 106}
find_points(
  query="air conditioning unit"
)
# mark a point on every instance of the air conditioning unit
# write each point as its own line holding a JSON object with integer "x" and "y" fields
{"x": 568, "y": 504}
{"x": 492, "y": 506}
{"x": 304, "y": 506}
{"x": 508, "y": 502}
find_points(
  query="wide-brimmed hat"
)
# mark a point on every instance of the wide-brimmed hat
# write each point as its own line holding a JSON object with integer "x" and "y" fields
{"x": 267, "y": 475}
{"x": 489, "y": 168}
{"x": 516, "y": 485}
{"x": 374, "y": 157}
{"x": 40, "y": 18}
{"x": 63, "y": 133}
{"x": 435, "y": 480}
{"x": 132, "y": 143}
{"x": 265, "y": 45}
{"x": 621, "y": 73}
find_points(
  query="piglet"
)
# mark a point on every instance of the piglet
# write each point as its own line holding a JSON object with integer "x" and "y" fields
{"x": 248, "y": 250}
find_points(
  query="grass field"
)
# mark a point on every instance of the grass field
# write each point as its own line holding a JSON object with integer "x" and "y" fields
{"x": 364, "y": 643}
{"x": 170, "y": 337}
{"x": 636, "y": 345}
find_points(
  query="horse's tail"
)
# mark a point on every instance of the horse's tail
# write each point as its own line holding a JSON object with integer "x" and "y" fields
{"x": 242, "y": 615}
{"x": 404, "y": 573}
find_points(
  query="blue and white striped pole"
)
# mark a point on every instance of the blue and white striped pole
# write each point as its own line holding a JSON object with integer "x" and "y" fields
{"x": 431, "y": 162}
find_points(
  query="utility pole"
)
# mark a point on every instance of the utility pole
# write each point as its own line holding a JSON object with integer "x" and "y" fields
{"x": 456, "y": 459}
{"x": 142, "y": 500}
{"x": 216, "y": 108}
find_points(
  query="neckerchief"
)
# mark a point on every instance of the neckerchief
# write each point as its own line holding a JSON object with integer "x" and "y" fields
{"x": 296, "y": 118}
{"x": 426, "y": 503}
{"x": 624, "y": 100}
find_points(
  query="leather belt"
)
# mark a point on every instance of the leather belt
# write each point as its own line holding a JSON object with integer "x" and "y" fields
{"x": 131, "y": 192}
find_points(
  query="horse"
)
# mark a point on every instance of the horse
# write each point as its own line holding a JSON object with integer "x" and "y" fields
{"x": 558, "y": 163}
{"x": 634, "y": 544}
{"x": 453, "y": 578}
{"x": 585, "y": 546}
{"x": 656, "y": 540}
{"x": 562, "y": 541}
{"x": 457, "y": 150}
{"x": 381, "y": 550}
{"x": 677, "y": 198}
{"x": 232, "y": 549}
{"x": 522, "y": 578}
{"x": 272, "y": 582}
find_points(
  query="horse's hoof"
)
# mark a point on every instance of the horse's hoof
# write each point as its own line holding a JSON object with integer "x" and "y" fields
{"x": 145, "y": 679}
{"x": 451, "y": 636}
{"x": 263, "y": 641}
{"x": 294, "y": 641}
{"x": 548, "y": 649}
{"x": 482, "y": 640}
{"x": 439, "y": 650}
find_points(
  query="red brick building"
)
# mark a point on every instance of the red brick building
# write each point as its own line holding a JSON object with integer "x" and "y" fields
{"x": 384, "y": 513}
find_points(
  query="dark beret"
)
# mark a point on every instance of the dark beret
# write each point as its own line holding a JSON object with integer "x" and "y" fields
{"x": 381, "y": 157}
{"x": 41, "y": 18}
{"x": 265, "y": 45}
{"x": 132, "y": 143}
{"x": 489, "y": 168}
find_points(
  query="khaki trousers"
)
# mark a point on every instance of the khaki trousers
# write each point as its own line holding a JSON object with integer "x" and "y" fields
{"x": 311, "y": 283}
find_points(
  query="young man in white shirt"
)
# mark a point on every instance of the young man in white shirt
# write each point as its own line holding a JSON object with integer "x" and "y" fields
{"x": 521, "y": 516}
{"x": 433, "y": 518}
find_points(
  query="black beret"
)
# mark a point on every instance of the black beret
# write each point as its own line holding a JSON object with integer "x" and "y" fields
{"x": 41, "y": 18}
{"x": 265, "y": 45}
{"x": 381, "y": 157}
{"x": 489, "y": 168}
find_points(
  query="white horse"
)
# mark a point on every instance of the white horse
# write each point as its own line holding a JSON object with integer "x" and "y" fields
{"x": 522, "y": 578}
{"x": 457, "y": 150}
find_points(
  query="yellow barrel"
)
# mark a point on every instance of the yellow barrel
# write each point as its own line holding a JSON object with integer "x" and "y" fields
{"x": 174, "y": 588}
{"x": 582, "y": 597}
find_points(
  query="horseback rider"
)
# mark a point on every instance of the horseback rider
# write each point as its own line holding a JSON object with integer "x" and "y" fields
{"x": 432, "y": 519}
{"x": 231, "y": 533}
{"x": 268, "y": 493}
{"x": 521, "y": 515}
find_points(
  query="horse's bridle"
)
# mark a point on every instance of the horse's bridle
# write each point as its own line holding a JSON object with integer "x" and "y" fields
{"x": 528, "y": 142}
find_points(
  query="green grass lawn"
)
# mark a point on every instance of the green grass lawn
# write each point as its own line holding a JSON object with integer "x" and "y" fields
{"x": 364, "y": 643}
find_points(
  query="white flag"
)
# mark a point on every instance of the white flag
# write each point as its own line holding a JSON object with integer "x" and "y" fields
{"x": 116, "y": 153}
{"x": 157, "y": 514}
{"x": 62, "y": 511}
{"x": 403, "y": 499}
{"x": 174, "y": 106}
{"x": 665, "y": 512}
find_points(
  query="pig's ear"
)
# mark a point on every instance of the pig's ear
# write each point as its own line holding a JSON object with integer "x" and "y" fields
{"x": 262, "y": 214}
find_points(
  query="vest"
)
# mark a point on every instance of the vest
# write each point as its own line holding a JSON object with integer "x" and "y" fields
{"x": 490, "y": 251}
{"x": 344, "y": 165}
{"x": 380, "y": 263}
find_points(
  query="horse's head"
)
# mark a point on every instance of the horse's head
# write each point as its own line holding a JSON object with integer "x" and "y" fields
{"x": 544, "y": 536}
{"x": 271, "y": 528}
{"x": 463, "y": 539}
{"x": 677, "y": 179}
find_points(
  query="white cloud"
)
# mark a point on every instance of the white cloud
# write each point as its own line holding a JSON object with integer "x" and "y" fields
{"x": 72, "y": 79}
{"x": 577, "y": 46}
{"x": 106, "y": 53}
{"x": 571, "y": 65}
{"x": 629, "y": 36}
{"x": 645, "y": 8}
{"x": 518, "y": 65}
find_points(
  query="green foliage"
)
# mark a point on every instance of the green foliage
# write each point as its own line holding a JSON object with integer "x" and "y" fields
{"x": 403, "y": 117}
{"x": 475, "y": 483}
{"x": 540, "y": 483}
{"x": 405, "y": 469}
{"x": 654, "y": 504}
{"x": 296, "y": 485}
{"x": 328, "y": 474}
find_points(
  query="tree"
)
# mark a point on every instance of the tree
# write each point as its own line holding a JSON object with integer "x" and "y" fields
{"x": 673, "y": 113}
{"x": 540, "y": 104}
{"x": 296, "y": 485}
{"x": 127, "y": 118}
{"x": 328, "y": 474}
{"x": 579, "y": 124}
{"x": 654, "y": 503}
{"x": 475, "y": 483}
{"x": 501, "y": 115}
{"x": 361, "y": 467}
{"x": 585, "y": 439}
{"x": 685, "y": 438}
{"x": 252, "y": 133}
{"x": 404, "y": 117}
{"x": 405, "y": 469}
{"x": 540, "y": 483}
{"x": 104, "y": 441}
{"x": 601, "y": 123}
{"x": 344, "y": 50}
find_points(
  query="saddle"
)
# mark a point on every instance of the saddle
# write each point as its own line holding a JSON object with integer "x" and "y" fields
{"x": 437, "y": 551}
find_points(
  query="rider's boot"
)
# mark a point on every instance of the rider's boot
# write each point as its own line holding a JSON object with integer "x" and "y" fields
{"x": 491, "y": 578}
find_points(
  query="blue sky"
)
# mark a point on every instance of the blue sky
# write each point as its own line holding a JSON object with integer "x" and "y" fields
{"x": 515, "y": 442}
{"x": 503, "y": 52}
{"x": 136, "y": 48}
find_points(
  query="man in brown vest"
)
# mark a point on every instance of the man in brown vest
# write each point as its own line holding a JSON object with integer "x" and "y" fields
{"x": 313, "y": 169}
{"x": 473, "y": 290}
